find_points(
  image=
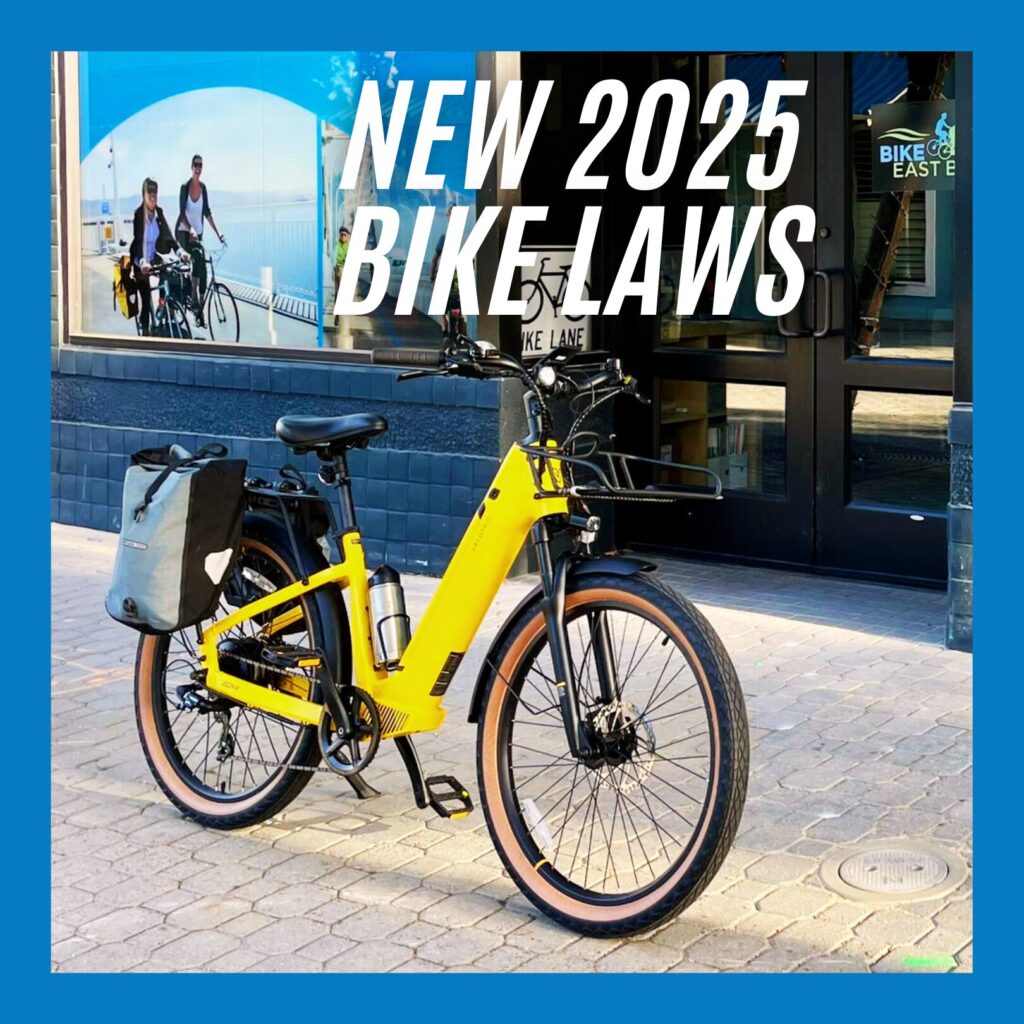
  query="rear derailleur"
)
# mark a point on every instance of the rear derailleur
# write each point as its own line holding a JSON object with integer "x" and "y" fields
{"x": 194, "y": 697}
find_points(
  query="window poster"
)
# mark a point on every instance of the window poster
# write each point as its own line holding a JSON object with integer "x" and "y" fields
{"x": 210, "y": 194}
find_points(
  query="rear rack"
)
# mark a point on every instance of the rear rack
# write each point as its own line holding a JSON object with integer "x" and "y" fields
{"x": 614, "y": 481}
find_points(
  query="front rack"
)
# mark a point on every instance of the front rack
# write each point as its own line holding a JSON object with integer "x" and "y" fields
{"x": 615, "y": 481}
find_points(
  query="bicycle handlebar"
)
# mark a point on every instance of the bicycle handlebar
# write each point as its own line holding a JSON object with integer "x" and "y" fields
{"x": 549, "y": 377}
{"x": 404, "y": 356}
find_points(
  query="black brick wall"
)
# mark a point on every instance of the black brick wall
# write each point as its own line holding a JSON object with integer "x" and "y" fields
{"x": 415, "y": 487}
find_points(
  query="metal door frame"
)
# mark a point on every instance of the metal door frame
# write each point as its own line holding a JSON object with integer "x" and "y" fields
{"x": 858, "y": 538}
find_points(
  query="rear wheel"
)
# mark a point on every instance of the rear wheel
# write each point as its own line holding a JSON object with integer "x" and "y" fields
{"x": 220, "y": 763}
{"x": 619, "y": 841}
{"x": 585, "y": 296}
{"x": 534, "y": 302}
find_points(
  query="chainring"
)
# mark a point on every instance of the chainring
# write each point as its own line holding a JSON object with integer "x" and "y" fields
{"x": 349, "y": 755}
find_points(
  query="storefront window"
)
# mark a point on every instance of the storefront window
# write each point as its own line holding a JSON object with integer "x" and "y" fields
{"x": 736, "y": 430}
{"x": 746, "y": 328}
{"x": 241, "y": 155}
{"x": 903, "y": 243}
{"x": 898, "y": 451}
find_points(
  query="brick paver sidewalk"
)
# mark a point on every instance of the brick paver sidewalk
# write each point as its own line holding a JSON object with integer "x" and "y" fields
{"x": 861, "y": 727}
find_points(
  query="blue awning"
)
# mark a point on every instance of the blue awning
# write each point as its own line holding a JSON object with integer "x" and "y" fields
{"x": 877, "y": 77}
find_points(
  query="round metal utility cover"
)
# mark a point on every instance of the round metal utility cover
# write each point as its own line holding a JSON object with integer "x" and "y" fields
{"x": 893, "y": 871}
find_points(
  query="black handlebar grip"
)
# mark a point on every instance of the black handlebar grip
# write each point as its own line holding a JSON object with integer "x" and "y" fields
{"x": 408, "y": 356}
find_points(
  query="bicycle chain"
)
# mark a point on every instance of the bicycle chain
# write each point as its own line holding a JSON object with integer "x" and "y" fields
{"x": 280, "y": 764}
{"x": 296, "y": 673}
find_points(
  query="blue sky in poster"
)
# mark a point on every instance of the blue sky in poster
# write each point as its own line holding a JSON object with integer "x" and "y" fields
{"x": 114, "y": 86}
{"x": 256, "y": 119}
{"x": 251, "y": 142}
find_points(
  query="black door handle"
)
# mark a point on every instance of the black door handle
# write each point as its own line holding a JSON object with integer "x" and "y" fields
{"x": 786, "y": 333}
{"x": 780, "y": 320}
{"x": 826, "y": 278}
{"x": 826, "y": 327}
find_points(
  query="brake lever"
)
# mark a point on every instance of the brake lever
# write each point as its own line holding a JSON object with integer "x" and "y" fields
{"x": 631, "y": 389}
{"x": 413, "y": 374}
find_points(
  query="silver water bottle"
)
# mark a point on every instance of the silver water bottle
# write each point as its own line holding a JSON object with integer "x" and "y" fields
{"x": 388, "y": 617}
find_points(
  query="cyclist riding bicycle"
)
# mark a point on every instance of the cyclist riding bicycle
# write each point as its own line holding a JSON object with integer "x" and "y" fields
{"x": 193, "y": 212}
{"x": 151, "y": 238}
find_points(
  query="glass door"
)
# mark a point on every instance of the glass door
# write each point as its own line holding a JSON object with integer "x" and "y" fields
{"x": 884, "y": 361}
{"x": 828, "y": 426}
{"x": 736, "y": 393}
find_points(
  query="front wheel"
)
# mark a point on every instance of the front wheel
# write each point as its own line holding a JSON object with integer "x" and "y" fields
{"x": 625, "y": 838}
{"x": 222, "y": 314}
{"x": 174, "y": 321}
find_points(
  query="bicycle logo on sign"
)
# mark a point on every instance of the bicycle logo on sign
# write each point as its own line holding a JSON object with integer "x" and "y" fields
{"x": 939, "y": 143}
{"x": 538, "y": 290}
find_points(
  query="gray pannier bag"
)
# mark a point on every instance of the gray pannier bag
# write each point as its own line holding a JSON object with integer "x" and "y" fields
{"x": 181, "y": 528}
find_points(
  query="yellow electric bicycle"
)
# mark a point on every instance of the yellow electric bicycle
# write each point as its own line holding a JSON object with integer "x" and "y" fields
{"x": 612, "y": 746}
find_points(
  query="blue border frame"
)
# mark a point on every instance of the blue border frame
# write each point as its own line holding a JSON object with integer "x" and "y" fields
{"x": 575, "y": 26}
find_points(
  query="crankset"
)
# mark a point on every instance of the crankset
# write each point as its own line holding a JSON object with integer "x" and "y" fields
{"x": 349, "y": 748}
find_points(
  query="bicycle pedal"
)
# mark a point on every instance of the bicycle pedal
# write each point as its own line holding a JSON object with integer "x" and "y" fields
{"x": 446, "y": 790}
{"x": 290, "y": 656}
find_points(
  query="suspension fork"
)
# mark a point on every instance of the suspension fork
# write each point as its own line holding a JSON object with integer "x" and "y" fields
{"x": 553, "y": 581}
{"x": 604, "y": 656}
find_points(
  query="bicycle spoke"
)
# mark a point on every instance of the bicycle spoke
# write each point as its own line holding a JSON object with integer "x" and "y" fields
{"x": 653, "y": 819}
{"x": 669, "y": 806}
{"x": 271, "y": 741}
{"x": 620, "y": 824}
{"x": 639, "y": 838}
{"x": 586, "y": 815}
{"x": 568, "y": 807}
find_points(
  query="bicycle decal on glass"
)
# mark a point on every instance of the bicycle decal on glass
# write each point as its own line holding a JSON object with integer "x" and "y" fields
{"x": 537, "y": 291}
{"x": 913, "y": 145}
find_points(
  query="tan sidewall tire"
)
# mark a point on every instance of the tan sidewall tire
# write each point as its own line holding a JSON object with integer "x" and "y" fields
{"x": 593, "y": 919}
{"x": 170, "y": 781}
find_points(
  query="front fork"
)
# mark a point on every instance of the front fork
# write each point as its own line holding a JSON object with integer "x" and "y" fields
{"x": 554, "y": 576}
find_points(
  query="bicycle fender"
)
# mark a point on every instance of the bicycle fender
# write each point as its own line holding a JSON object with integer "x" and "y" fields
{"x": 338, "y": 641}
{"x": 609, "y": 565}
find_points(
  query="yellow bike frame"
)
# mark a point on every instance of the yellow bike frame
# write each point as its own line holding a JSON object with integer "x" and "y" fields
{"x": 409, "y": 699}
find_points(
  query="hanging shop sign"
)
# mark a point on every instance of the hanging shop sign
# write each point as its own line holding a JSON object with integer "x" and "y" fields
{"x": 546, "y": 325}
{"x": 913, "y": 146}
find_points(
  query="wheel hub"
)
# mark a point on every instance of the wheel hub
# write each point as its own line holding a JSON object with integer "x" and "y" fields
{"x": 620, "y": 734}
{"x": 613, "y": 735}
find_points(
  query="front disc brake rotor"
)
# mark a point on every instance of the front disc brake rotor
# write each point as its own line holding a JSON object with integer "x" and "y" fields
{"x": 622, "y": 725}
